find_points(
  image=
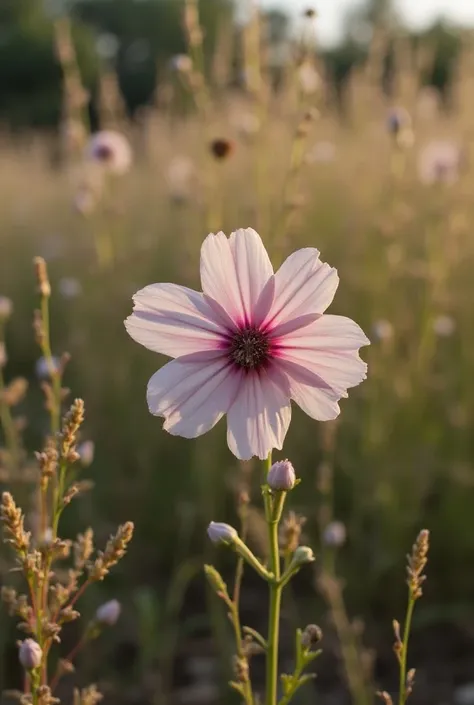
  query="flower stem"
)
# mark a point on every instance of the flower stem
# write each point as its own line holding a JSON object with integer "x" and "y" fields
{"x": 275, "y": 598}
{"x": 55, "y": 375}
{"x": 404, "y": 650}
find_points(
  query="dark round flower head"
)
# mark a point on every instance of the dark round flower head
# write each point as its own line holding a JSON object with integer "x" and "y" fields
{"x": 310, "y": 12}
{"x": 222, "y": 148}
{"x": 311, "y": 636}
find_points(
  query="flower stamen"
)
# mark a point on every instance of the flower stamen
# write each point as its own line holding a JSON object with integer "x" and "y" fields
{"x": 249, "y": 348}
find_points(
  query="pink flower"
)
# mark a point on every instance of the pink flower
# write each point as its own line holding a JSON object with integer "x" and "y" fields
{"x": 111, "y": 150}
{"x": 251, "y": 342}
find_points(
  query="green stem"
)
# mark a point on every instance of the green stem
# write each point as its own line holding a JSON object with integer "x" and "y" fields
{"x": 235, "y": 611}
{"x": 53, "y": 372}
{"x": 275, "y": 598}
{"x": 34, "y": 683}
{"x": 252, "y": 560}
{"x": 296, "y": 684}
{"x": 404, "y": 651}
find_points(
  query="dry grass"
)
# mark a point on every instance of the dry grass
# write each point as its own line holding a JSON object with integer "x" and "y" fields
{"x": 405, "y": 254}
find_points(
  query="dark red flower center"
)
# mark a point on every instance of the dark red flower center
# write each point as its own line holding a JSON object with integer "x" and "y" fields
{"x": 249, "y": 348}
{"x": 103, "y": 153}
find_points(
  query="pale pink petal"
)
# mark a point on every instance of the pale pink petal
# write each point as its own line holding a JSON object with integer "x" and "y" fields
{"x": 327, "y": 332}
{"x": 303, "y": 285}
{"x": 327, "y": 349}
{"x": 320, "y": 404}
{"x": 174, "y": 320}
{"x": 265, "y": 302}
{"x": 193, "y": 393}
{"x": 260, "y": 416}
{"x": 234, "y": 272}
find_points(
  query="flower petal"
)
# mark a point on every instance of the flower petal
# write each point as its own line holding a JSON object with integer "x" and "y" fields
{"x": 320, "y": 404}
{"x": 260, "y": 416}
{"x": 193, "y": 393}
{"x": 327, "y": 332}
{"x": 234, "y": 272}
{"x": 303, "y": 285}
{"x": 327, "y": 348}
{"x": 174, "y": 320}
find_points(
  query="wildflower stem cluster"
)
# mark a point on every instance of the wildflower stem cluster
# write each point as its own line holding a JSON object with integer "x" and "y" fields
{"x": 416, "y": 562}
{"x": 278, "y": 479}
{"x": 52, "y": 590}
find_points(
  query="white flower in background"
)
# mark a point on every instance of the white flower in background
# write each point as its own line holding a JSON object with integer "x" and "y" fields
{"x": 440, "y": 161}
{"x": 42, "y": 367}
{"x": 107, "y": 46}
{"x": 334, "y": 535}
{"x": 69, "y": 287}
{"x": 86, "y": 451}
{"x": 180, "y": 176}
{"x": 444, "y": 326}
{"x": 182, "y": 63}
{"x": 108, "y": 613}
{"x": 321, "y": 152}
{"x": 309, "y": 79}
{"x": 246, "y": 123}
{"x": 382, "y": 330}
{"x": 111, "y": 150}
{"x": 249, "y": 344}
{"x": 47, "y": 537}
{"x": 6, "y": 308}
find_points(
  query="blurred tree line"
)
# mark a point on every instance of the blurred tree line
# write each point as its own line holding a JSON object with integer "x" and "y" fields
{"x": 138, "y": 37}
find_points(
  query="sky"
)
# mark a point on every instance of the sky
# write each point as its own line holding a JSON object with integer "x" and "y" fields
{"x": 418, "y": 13}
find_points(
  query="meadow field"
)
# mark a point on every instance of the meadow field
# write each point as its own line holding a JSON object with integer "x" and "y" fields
{"x": 385, "y": 194}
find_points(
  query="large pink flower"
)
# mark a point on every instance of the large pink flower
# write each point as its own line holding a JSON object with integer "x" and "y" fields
{"x": 251, "y": 342}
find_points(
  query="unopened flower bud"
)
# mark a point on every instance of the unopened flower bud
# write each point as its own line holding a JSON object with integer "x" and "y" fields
{"x": 281, "y": 476}
{"x": 334, "y": 534}
{"x": 221, "y": 533}
{"x": 302, "y": 555}
{"x": 108, "y": 613}
{"x": 215, "y": 580}
{"x": 311, "y": 636}
{"x": 6, "y": 308}
{"x": 30, "y": 654}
